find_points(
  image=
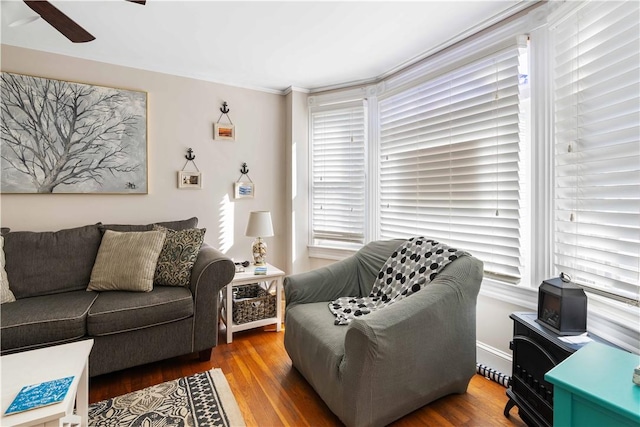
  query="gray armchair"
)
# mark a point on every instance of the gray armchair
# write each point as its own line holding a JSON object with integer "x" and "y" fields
{"x": 386, "y": 364}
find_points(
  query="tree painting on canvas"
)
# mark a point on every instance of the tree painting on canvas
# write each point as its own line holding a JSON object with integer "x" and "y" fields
{"x": 64, "y": 137}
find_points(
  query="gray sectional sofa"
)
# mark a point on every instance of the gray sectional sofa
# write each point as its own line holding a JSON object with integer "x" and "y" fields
{"x": 48, "y": 272}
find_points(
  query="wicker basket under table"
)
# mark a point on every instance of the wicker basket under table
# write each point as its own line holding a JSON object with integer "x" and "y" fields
{"x": 252, "y": 302}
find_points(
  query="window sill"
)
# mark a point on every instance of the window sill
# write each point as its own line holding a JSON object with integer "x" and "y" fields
{"x": 331, "y": 253}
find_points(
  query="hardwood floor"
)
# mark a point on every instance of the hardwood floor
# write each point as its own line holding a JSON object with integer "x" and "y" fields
{"x": 272, "y": 393}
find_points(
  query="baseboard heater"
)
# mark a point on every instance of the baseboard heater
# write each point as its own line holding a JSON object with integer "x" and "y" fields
{"x": 493, "y": 375}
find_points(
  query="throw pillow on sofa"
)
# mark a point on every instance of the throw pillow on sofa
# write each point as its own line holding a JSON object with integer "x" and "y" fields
{"x": 50, "y": 262}
{"x": 5, "y": 293}
{"x": 183, "y": 224}
{"x": 178, "y": 255}
{"x": 126, "y": 261}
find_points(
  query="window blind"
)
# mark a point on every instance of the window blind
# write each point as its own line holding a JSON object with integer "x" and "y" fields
{"x": 449, "y": 162}
{"x": 597, "y": 147}
{"x": 338, "y": 174}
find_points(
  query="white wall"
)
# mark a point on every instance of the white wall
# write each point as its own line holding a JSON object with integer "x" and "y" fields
{"x": 180, "y": 115}
{"x": 297, "y": 159}
{"x": 494, "y": 331}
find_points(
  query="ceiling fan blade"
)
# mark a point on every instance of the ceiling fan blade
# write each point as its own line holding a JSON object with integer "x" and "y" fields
{"x": 61, "y": 22}
{"x": 142, "y": 2}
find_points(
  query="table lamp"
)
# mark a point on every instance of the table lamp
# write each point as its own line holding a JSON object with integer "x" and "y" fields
{"x": 259, "y": 226}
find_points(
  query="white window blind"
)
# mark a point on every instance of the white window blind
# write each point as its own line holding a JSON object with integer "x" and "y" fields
{"x": 449, "y": 158}
{"x": 597, "y": 147}
{"x": 338, "y": 174}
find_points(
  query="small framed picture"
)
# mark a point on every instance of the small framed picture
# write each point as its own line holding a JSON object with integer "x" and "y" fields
{"x": 224, "y": 131}
{"x": 244, "y": 190}
{"x": 189, "y": 179}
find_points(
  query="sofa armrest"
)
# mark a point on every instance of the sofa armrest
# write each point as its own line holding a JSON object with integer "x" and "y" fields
{"x": 211, "y": 272}
{"x": 423, "y": 345}
{"x": 323, "y": 284}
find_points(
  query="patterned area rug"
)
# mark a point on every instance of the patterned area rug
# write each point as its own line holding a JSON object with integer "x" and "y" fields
{"x": 199, "y": 400}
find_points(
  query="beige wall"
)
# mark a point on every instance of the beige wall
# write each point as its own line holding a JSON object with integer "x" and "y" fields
{"x": 180, "y": 115}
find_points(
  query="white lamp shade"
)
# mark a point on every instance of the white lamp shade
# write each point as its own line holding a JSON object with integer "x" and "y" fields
{"x": 259, "y": 224}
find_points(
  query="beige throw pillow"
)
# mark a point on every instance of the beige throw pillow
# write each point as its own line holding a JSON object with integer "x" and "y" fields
{"x": 126, "y": 261}
{"x": 5, "y": 293}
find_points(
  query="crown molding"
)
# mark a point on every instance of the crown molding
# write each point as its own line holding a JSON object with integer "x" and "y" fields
{"x": 290, "y": 89}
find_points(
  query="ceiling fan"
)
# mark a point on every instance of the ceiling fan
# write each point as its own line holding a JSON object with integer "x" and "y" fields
{"x": 61, "y": 22}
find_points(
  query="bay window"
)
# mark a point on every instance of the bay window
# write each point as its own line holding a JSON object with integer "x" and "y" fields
{"x": 449, "y": 152}
{"x": 597, "y": 146}
{"x": 450, "y": 161}
{"x": 338, "y": 174}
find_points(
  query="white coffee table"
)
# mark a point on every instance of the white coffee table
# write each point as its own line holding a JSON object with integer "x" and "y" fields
{"x": 32, "y": 367}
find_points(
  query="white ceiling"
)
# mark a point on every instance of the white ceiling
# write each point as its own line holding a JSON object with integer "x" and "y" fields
{"x": 264, "y": 45}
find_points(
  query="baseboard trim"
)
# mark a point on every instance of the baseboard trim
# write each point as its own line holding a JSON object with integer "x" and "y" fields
{"x": 494, "y": 358}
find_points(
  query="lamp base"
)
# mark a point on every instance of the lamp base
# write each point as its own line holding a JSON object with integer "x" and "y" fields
{"x": 259, "y": 251}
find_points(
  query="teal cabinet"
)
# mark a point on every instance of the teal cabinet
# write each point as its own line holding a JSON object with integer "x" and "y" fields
{"x": 594, "y": 387}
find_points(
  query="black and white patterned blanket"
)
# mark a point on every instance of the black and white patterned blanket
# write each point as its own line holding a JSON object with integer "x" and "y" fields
{"x": 410, "y": 268}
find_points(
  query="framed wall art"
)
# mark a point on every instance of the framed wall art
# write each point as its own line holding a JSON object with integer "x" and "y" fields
{"x": 224, "y": 131}
{"x": 65, "y": 137}
{"x": 188, "y": 179}
{"x": 244, "y": 190}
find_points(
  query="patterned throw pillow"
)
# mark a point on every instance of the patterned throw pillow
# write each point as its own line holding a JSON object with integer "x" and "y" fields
{"x": 126, "y": 261}
{"x": 178, "y": 256}
{"x": 5, "y": 293}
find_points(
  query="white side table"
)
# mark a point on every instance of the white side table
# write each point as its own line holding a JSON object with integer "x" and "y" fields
{"x": 273, "y": 278}
{"x": 46, "y": 364}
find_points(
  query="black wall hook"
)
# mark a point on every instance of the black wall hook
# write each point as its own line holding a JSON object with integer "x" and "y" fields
{"x": 244, "y": 172}
{"x": 190, "y": 157}
{"x": 224, "y": 108}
